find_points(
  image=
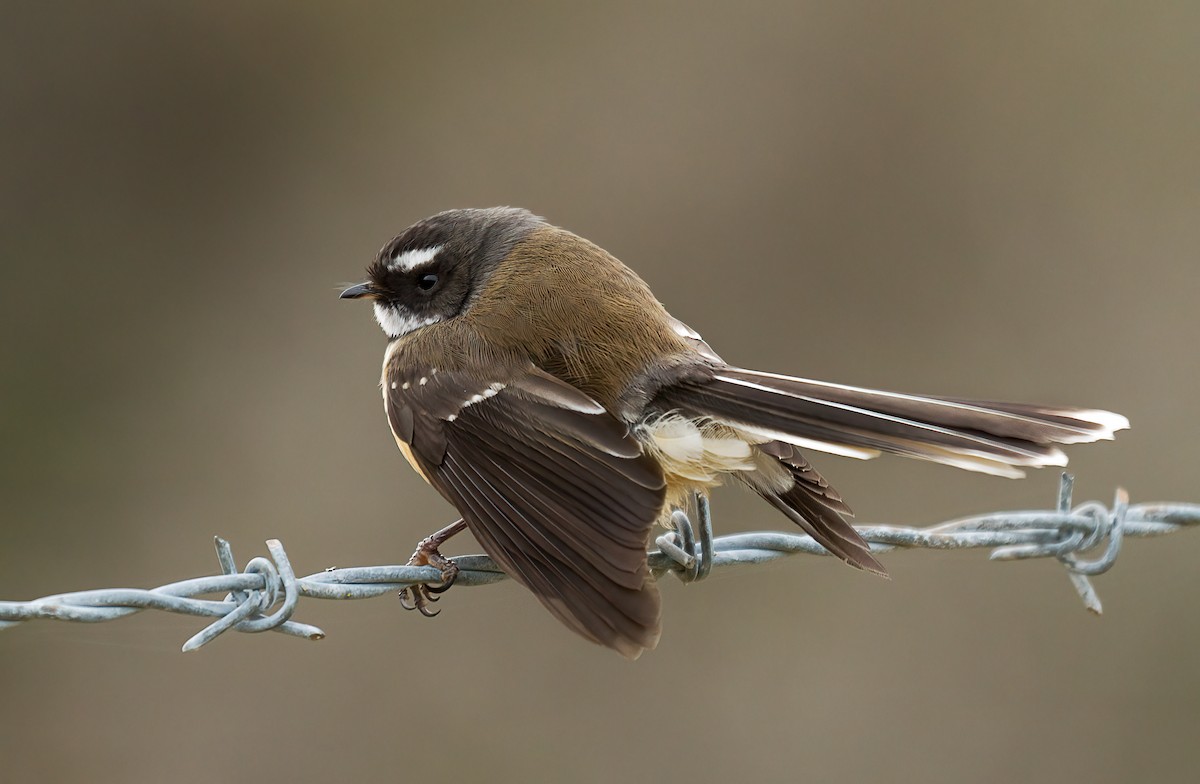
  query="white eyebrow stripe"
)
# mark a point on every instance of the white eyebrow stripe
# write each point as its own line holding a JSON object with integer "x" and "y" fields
{"x": 409, "y": 260}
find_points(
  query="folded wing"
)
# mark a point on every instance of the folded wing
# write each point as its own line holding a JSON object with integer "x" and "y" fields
{"x": 553, "y": 487}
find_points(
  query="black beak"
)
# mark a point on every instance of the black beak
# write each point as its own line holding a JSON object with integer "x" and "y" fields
{"x": 361, "y": 290}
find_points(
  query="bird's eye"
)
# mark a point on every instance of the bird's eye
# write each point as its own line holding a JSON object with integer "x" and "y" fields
{"x": 427, "y": 281}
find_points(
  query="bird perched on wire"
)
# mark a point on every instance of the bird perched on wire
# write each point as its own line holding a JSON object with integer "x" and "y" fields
{"x": 537, "y": 383}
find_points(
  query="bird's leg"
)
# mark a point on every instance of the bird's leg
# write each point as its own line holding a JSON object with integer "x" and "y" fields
{"x": 419, "y": 597}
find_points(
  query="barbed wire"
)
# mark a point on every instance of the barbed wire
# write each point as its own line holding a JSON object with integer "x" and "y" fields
{"x": 251, "y": 595}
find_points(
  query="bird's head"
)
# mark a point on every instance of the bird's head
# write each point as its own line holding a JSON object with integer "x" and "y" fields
{"x": 432, "y": 270}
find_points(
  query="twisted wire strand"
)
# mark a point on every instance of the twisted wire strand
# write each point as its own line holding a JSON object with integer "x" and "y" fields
{"x": 264, "y": 595}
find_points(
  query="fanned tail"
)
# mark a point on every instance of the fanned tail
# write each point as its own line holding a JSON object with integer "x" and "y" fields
{"x": 786, "y": 413}
{"x": 995, "y": 438}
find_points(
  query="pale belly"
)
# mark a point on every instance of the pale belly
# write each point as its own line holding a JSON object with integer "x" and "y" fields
{"x": 697, "y": 454}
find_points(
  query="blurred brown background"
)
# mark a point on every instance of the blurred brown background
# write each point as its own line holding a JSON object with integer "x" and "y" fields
{"x": 935, "y": 197}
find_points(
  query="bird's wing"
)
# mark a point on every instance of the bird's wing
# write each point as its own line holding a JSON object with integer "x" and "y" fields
{"x": 553, "y": 487}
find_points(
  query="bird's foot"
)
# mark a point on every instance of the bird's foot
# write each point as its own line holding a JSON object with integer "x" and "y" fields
{"x": 420, "y": 597}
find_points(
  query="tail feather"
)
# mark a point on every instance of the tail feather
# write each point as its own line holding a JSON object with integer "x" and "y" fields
{"x": 996, "y": 438}
{"x": 803, "y": 473}
{"x": 815, "y": 506}
{"x": 786, "y": 412}
{"x": 1092, "y": 424}
{"x": 825, "y": 525}
{"x": 1022, "y": 421}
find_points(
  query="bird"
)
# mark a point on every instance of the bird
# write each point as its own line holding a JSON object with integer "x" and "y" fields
{"x": 542, "y": 389}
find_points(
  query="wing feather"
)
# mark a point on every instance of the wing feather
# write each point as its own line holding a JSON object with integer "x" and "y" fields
{"x": 555, "y": 489}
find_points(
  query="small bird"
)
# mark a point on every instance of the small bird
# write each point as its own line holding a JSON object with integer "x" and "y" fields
{"x": 536, "y": 382}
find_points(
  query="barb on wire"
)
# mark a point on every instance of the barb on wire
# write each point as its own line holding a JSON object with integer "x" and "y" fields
{"x": 263, "y": 596}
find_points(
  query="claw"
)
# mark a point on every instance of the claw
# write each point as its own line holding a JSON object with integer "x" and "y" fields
{"x": 405, "y": 601}
{"x": 420, "y": 597}
{"x": 450, "y": 572}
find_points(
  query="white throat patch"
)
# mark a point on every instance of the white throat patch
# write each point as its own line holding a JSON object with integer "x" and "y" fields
{"x": 409, "y": 260}
{"x": 396, "y": 323}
